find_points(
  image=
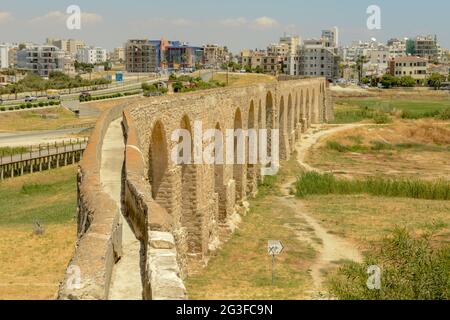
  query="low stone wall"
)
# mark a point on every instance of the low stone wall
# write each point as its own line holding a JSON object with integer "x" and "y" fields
{"x": 99, "y": 242}
{"x": 151, "y": 224}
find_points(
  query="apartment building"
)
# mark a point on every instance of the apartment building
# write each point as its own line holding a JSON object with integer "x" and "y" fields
{"x": 416, "y": 67}
{"x": 331, "y": 37}
{"x": 41, "y": 59}
{"x": 91, "y": 55}
{"x": 426, "y": 47}
{"x": 12, "y": 55}
{"x": 317, "y": 60}
{"x": 252, "y": 59}
{"x": 117, "y": 55}
{"x": 184, "y": 57}
{"x": 71, "y": 46}
{"x": 397, "y": 48}
{"x": 215, "y": 55}
{"x": 4, "y": 56}
{"x": 140, "y": 56}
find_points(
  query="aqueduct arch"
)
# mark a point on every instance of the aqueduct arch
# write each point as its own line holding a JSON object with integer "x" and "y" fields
{"x": 193, "y": 202}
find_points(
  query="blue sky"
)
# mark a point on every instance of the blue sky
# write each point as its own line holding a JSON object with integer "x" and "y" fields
{"x": 236, "y": 23}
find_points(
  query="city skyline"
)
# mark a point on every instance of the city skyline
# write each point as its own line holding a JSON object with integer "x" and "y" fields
{"x": 236, "y": 25}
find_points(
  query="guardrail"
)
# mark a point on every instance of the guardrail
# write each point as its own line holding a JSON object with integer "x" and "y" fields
{"x": 42, "y": 157}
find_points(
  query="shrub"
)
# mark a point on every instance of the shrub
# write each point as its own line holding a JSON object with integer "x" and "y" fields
{"x": 381, "y": 118}
{"x": 41, "y": 104}
{"x": 334, "y": 145}
{"x": 22, "y": 106}
{"x": 445, "y": 114}
{"x": 411, "y": 269}
{"x": 11, "y": 108}
{"x": 2, "y": 109}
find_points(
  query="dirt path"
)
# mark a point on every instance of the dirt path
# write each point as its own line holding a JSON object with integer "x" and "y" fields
{"x": 311, "y": 138}
{"x": 331, "y": 248}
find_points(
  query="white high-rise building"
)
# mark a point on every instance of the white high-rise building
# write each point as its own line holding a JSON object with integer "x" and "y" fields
{"x": 92, "y": 55}
{"x": 331, "y": 37}
{"x": 4, "y": 59}
{"x": 41, "y": 59}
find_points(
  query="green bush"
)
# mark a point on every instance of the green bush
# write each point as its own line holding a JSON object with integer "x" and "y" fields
{"x": 445, "y": 114}
{"x": 2, "y": 109}
{"x": 313, "y": 183}
{"x": 11, "y": 108}
{"x": 41, "y": 104}
{"x": 411, "y": 269}
{"x": 22, "y": 106}
{"x": 381, "y": 118}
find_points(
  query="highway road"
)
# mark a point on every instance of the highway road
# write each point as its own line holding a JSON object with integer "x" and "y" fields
{"x": 18, "y": 139}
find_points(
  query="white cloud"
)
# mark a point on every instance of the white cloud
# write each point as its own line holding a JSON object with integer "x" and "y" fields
{"x": 58, "y": 16}
{"x": 234, "y": 22}
{"x": 5, "y": 17}
{"x": 265, "y": 23}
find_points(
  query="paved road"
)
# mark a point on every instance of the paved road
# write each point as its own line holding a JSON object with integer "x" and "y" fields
{"x": 18, "y": 139}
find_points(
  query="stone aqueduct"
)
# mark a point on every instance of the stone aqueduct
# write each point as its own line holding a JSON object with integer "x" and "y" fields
{"x": 195, "y": 204}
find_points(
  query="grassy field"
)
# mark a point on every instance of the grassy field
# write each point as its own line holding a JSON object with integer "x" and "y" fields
{"x": 243, "y": 78}
{"x": 32, "y": 266}
{"x": 40, "y": 120}
{"x": 349, "y": 110}
{"x": 409, "y": 149}
{"x": 242, "y": 268}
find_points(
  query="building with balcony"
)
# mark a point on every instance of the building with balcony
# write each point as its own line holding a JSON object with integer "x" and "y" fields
{"x": 141, "y": 56}
{"x": 91, "y": 55}
{"x": 41, "y": 59}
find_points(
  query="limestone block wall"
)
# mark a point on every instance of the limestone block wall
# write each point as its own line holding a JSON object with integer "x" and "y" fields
{"x": 99, "y": 242}
{"x": 200, "y": 201}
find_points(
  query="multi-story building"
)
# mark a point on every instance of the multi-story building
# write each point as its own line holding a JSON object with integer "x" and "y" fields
{"x": 397, "y": 48}
{"x": 92, "y": 55}
{"x": 215, "y": 55}
{"x": 252, "y": 59}
{"x": 331, "y": 37}
{"x": 416, "y": 67}
{"x": 140, "y": 56}
{"x": 426, "y": 47}
{"x": 4, "y": 56}
{"x": 69, "y": 65}
{"x": 184, "y": 56}
{"x": 318, "y": 60}
{"x": 293, "y": 43}
{"x": 41, "y": 59}
{"x": 117, "y": 55}
{"x": 71, "y": 46}
{"x": 12, "y": 56}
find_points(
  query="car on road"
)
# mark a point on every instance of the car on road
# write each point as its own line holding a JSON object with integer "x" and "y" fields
{"x": 53, "y": 95}
{"x": 84, "y": 95}
{"x": 30, "y": 99}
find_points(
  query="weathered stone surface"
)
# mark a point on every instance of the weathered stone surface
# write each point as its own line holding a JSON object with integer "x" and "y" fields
{"x": 161, "y": 240}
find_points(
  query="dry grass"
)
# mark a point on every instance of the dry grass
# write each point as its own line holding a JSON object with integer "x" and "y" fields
{"x": 364, "y": 218}
{"x": 241, "y": 269}
{"x": 32, "y": 266}
{"x": 35, "y": 120}
{"x": 408, "y": 149}
{"x": 243, "y": 78}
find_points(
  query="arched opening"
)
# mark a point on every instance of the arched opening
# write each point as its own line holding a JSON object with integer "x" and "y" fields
{"x": 189, "y": 215}
{"x": 239, "y": 156}
{"x": 290, "y": 120}
{"x": 219, "y": 186}
{"x": 308, "y": 110}
{"x": 282, "y": 128}
{"x": 269, "y": 123}
{"x": 158, "y": 162}
{"x": 252, "y": 148}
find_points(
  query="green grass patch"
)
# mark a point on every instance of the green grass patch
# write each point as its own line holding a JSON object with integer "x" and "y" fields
{"x": 411, "y": 269}
{"x": 46, "y": 197}
{"x": 11, "y": 151}
{"x": 313, "y": 183}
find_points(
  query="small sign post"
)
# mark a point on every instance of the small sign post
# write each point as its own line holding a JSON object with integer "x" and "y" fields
{"x": 274, "y": 248}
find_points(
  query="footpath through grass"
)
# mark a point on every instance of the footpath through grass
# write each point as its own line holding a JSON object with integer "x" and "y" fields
{"x": 31, "y": 265}
{"x": 241, "y": 269}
